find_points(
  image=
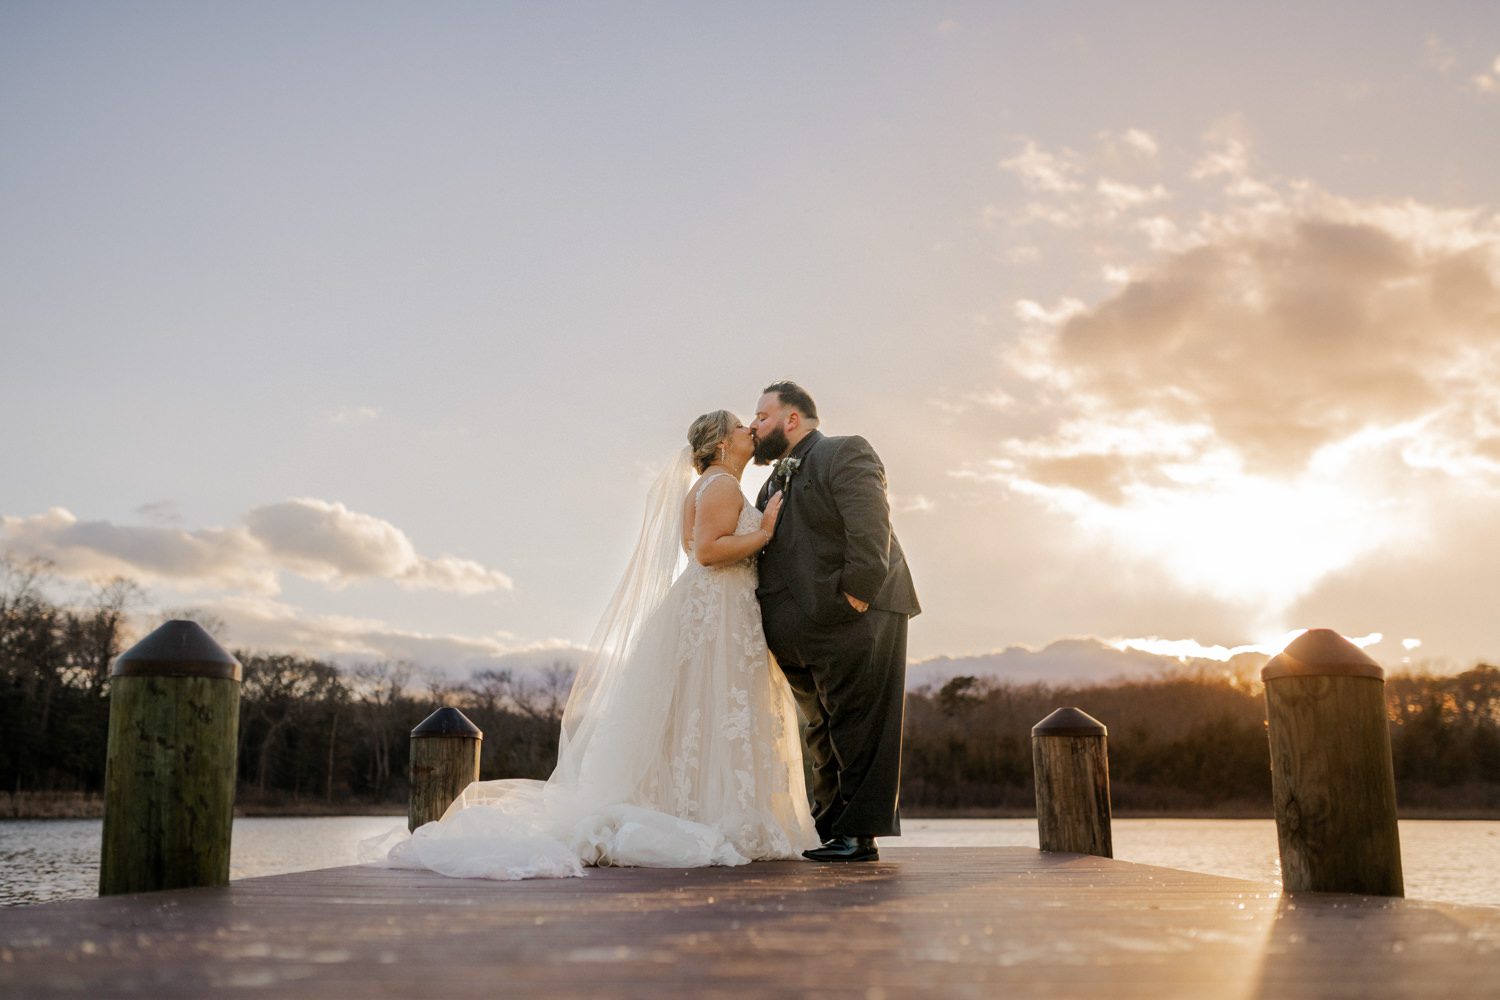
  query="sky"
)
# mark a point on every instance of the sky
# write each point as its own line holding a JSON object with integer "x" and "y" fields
{"x": 363, "y": 327}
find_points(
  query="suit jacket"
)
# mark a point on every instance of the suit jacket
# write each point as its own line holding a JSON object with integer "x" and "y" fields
{"x": 834, "y": 533}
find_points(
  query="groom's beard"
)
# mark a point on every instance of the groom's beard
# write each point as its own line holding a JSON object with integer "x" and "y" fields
{"x": 771, "y": 447}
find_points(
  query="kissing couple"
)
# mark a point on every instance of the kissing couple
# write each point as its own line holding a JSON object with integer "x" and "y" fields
{"x": 681, "y": 745}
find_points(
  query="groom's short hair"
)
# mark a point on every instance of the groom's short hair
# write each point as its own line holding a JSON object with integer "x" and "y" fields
{"x": 793, "y": 395}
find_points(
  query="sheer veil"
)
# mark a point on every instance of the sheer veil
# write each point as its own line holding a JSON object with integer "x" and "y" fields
{"x": 655, "y": 563}
{"x": 615, "y": 711}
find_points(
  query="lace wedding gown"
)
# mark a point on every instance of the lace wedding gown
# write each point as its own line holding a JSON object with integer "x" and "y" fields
{"x": 681, "y": 751}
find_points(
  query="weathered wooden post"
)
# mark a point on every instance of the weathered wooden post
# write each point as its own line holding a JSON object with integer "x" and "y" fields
{"x": 1332, "y": 782}
{"x": 174, "y": 712}
{"x": 444, "y": 760}
{"x": 1071, "y": 764}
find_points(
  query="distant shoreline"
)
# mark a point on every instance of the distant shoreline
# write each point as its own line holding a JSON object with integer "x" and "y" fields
{"x": 86, "y": 805}
{"x": 90, "y": 805}
{"x": 1228, "y": 812}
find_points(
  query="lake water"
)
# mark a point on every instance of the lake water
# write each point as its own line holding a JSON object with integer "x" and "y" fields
{"x": 1446, "y": 860}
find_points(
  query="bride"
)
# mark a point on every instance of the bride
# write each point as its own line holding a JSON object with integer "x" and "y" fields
{"x": 680, "y": 745}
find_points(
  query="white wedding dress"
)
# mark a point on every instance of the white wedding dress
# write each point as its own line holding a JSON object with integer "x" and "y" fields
{"x": 680, "y": 744}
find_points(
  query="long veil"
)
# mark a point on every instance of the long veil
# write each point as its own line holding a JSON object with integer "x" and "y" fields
{"x": 655, "y": 563}
{"x": 604, "y": 695}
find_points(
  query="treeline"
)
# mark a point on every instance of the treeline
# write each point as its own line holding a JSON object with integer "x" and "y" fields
{"x": 1182, "y": 745}
{"x": 313, "y": 736}
{"x": 310, "y": 733}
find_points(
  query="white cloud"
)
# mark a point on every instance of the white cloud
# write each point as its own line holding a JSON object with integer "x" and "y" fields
{"x": 1073, "y": 191}
{"x": 1122, "y": 197}
{"x": 1141, "y": 141}
{"x": 1040, "y": 170}
{"x": 354, "y": 414}
{"x": 1035, "y": 312}
{"x": 1440, "y": 55}
{"x": 915, "y": 503}
{"x": 1444, "y": 58}
{"x": 1163, "y": 233}
{"x": 1487, "y": 82}
{"x": 1229, "y": 157}
{"x": 1293, "y": 329}
{"x": 210, "y": 557}
{"x": 1254, "y": 402}
{"x": 1132, "y": 144}
{"x": 1073, "y": 214}
{"x": 1128, "y": 150}
{"x": 331, "y": 543}
{"x": 316, "y": 539}
{"x": 268, "y": 625}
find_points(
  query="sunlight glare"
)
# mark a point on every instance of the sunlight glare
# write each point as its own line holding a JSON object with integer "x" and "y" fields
{"x": 1247, "y": 539}
{"x": 1192, "y": 649}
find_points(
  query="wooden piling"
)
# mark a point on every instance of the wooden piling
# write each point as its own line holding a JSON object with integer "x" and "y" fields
{"x": 444, "y": 760}
{"x": 1332, "y": 782}
{"x": 170, "y": 766}
{"x": 1070, "y": 760}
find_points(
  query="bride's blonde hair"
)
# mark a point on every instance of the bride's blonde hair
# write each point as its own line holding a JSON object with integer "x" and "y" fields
{"x": 705, "y": 434}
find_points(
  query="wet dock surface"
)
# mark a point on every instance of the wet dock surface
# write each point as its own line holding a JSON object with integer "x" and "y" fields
{"x": 950, "y": 922}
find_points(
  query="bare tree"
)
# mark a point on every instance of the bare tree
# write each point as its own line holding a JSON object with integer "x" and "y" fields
{"x": 211, "y": 623}
{"x": 378, "y": 686}
{"x": 98, "y": 634}
{"x": 22, "y": 580}
{"x": 489, "y": 690}
{"x": 544, "y": 695}
{"x": 277, "y": 692}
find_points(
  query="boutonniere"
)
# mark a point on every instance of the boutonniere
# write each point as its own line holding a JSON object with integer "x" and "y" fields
{"x": 785, "y": 469}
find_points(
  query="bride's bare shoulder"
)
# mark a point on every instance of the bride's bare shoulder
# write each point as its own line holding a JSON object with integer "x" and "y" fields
{"x": 716, "y": 482}
{"x": 713, "y": 492}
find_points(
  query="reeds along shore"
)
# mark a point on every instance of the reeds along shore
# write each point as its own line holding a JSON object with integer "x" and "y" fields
{"x": 90, "y": 805}
{"x": 51, "y": 805}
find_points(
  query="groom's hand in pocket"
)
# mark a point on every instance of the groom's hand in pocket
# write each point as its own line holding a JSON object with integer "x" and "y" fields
{"x": 856, "y": 603}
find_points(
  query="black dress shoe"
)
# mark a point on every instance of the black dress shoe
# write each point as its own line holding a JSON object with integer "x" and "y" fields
{"x": 845, "y": 849}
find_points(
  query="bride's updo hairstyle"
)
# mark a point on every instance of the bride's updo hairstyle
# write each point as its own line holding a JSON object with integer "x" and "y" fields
{"x": 704, "y": 437}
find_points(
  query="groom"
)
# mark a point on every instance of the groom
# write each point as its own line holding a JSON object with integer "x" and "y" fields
{"x": 835, "y": 596}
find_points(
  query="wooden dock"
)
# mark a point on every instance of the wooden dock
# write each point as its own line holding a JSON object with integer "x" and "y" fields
{"x": 943, "y": 922}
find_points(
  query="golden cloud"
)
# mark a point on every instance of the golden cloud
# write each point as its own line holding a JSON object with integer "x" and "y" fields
{"x": 1282, "y": 331}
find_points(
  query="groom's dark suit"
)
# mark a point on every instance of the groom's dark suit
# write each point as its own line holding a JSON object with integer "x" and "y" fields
{"x": 847, "y": 669}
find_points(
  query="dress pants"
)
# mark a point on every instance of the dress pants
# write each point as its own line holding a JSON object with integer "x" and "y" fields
{"x": 849, "y": 680}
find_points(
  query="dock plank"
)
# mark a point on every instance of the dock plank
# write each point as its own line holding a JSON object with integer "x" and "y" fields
{"x": 951, "y": 922}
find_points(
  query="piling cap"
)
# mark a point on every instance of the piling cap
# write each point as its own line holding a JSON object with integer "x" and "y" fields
{"x": 1321, "y": 652}
{"x": 449, "y": 722}
{"x": 1069, "y": 722}
{"x": 177, "y": 649}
